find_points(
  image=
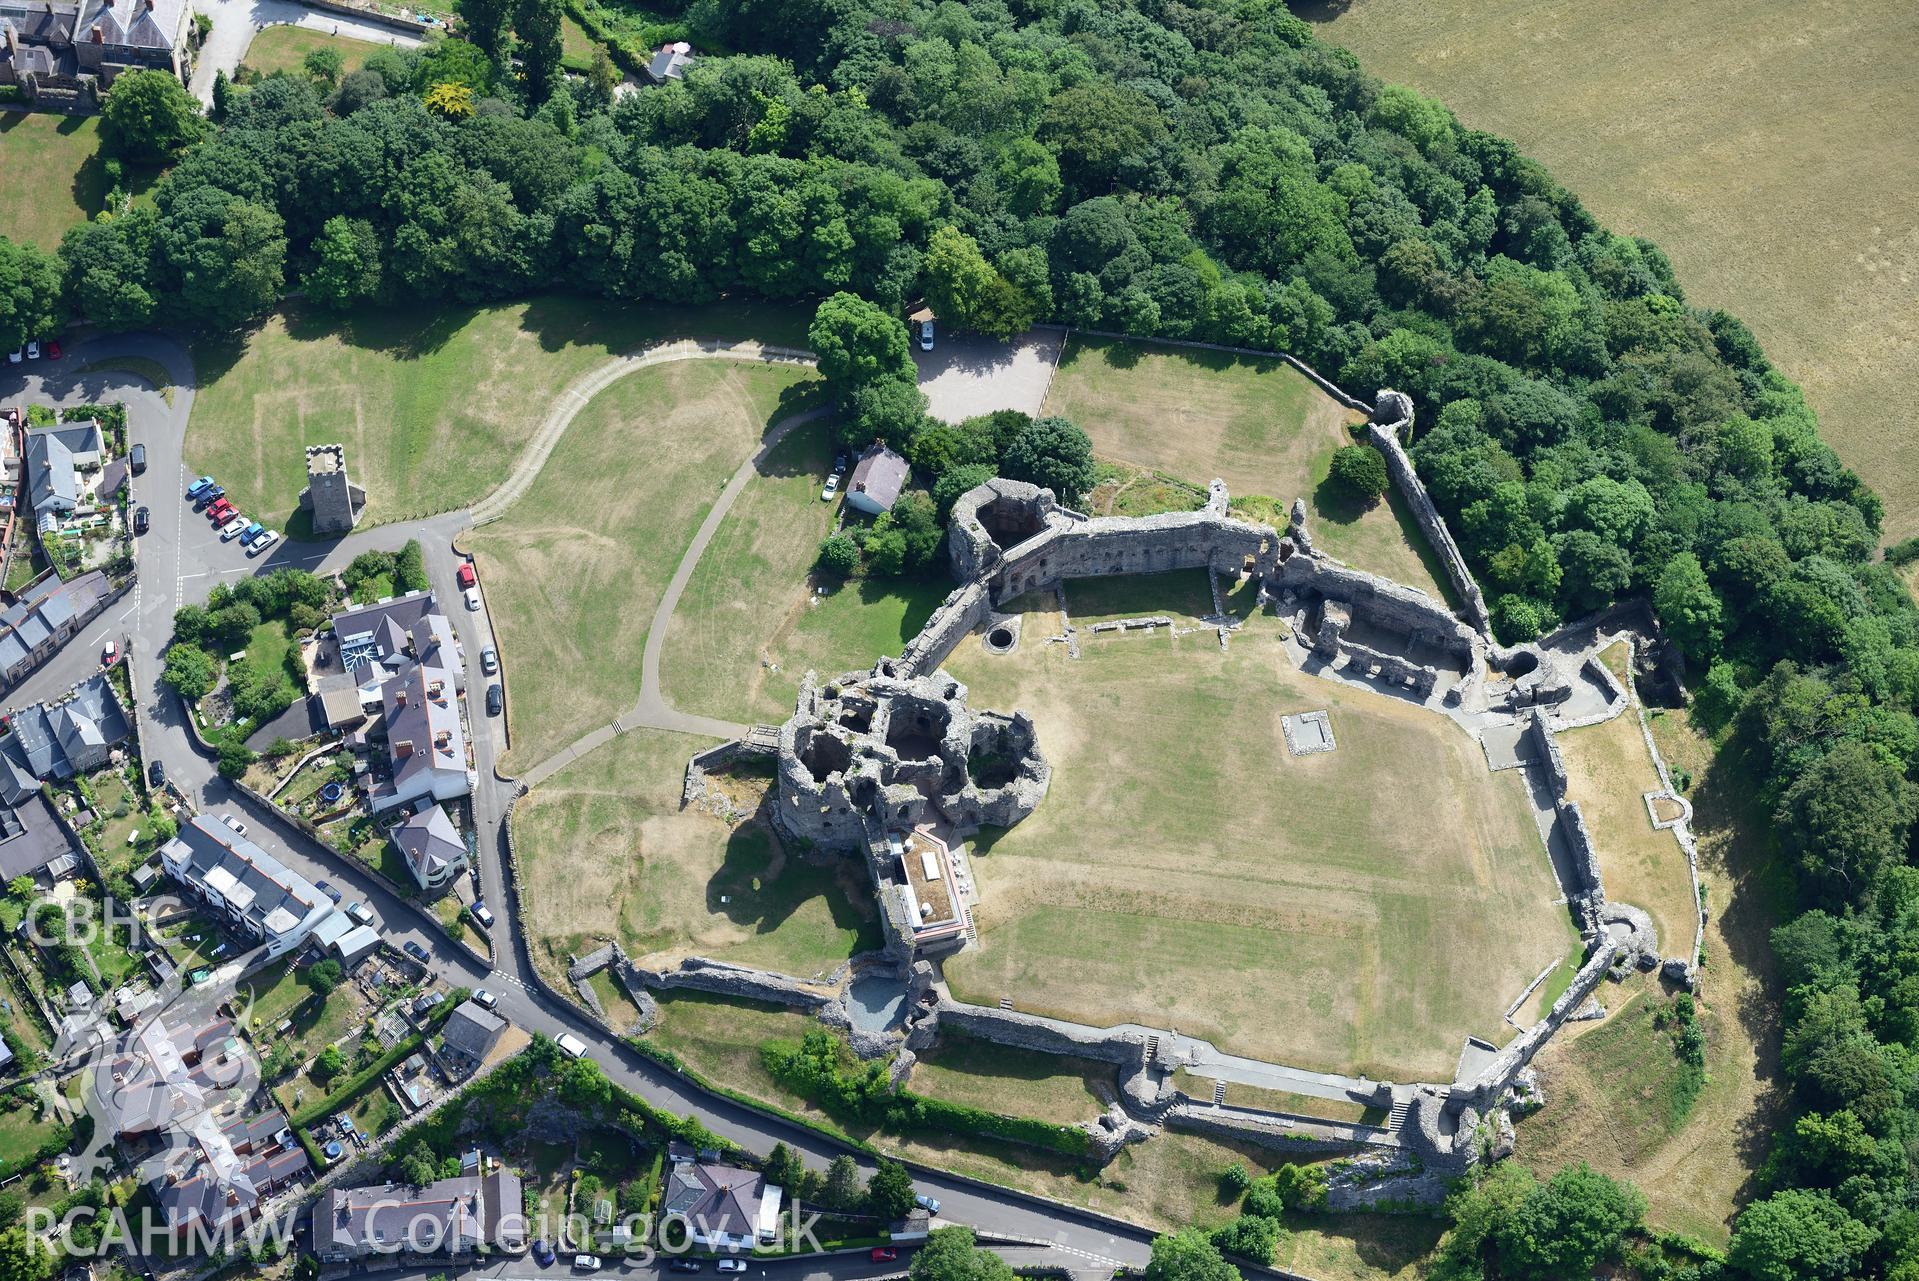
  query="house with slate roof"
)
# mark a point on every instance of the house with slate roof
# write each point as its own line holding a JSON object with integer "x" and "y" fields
{"x": 55, "y": 740}
{"x": 253, "y": 891}
{"x": 55, "y": 46}
{"x": 43, "y": 617}
{"x": 435, "y": 851}
{"x": 724, "y": 1207}
{"x": 459, "y": 1217}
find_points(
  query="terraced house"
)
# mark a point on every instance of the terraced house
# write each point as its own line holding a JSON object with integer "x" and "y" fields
{"x": 61, "y": 50}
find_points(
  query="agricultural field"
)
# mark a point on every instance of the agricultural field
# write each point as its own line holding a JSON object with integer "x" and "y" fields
{"x": 284, "y": 48}
{"x": 1259, "y": 425}
{"x": 608, "y": 853}
{"x": 1674, "y": 122}
{"x": 576, "y": 567}
{"x": 432, "y": 406}
{"x": 1269, "y": 903}
{"x": 753, "y": 619}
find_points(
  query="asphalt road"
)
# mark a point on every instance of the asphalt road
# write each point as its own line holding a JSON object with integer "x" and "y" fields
{"x": 181, "y": 559}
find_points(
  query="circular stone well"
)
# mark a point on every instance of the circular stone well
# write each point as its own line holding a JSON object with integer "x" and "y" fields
{"x": 1002, "y": 636}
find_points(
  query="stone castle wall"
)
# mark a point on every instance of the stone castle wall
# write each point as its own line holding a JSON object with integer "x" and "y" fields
{"x": 1571, "y": 821}
{"x": 1027, "y": 1032}
{"x": 1392, "y": 414}
{"x": 699, "y": 974}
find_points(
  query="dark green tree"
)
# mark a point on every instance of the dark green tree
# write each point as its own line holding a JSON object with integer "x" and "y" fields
{"x": 537, "y": 24}
{"x": 889, "y": 1193}
{"x": 951, "y": 1254}
{"x": 1360, "y": 470}
{"x": 1187, "y": 1255}
{"x": 149, "y": 117}
{"x": 31, "y": 304}
{"x": 1053, "y": 453}
{"x": 1797, "y": 1235}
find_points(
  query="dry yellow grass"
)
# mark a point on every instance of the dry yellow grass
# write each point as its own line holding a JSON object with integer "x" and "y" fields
{"x": 1362, "y": 910}
{"x": 1259, "y": 425}
{"x": 1699, "y": 1174}
{"x": 575, "y": 569}
{"x": 608, "y": 853}
{"x": 1764, "y": 155}
{"x": 1609, "y": 772}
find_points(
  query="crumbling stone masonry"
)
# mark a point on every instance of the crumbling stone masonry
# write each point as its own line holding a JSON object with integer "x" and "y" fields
{"x": 1392, "y": 415}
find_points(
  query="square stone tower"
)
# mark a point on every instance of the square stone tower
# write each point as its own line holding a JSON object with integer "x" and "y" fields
{"x": 334, "y": 501}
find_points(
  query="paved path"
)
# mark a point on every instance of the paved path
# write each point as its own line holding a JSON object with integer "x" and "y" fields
{"x": 236, "y": 22}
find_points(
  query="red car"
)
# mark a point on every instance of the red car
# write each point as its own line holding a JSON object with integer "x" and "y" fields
{"x": 467, "y": 576}
{"x": 221, "y": 512}
{"x": 885, "y": 1254}
{"x": 53, "y": 350}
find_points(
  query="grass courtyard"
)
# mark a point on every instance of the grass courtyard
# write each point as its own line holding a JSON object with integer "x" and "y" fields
{"x": 1362, "y": 910}
{"x": 607, "y": 852}
{"x": 432, "y": 405}
{"x": 1259, "y": 425}
{"x": 575, "y": 569}
{"x": 1661, "y": 118}
{"x": 285, "y": 47}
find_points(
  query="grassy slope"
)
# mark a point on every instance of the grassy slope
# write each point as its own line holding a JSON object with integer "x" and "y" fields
{"x": 282, "y": 48}
{"x": 1266, "y": 901}
{"x": 1752, "y": 151}
{"x": 1259, "y": 425}
{"x": 577, "y": 566}
{"x": 609, "y": 853}
{"x": 751, "y": 622}
{"x": 433, "y": 406}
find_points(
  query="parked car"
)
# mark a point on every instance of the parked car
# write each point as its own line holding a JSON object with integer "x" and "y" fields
{"x": 543, "y": 1253}
{"x": 884, "y": 1254}
{"x": 360, "y": 912}
{"x": 426, "y": 1003}
{"x": 485, "y": 999}
{"x": 489, "y": 660}
{"x": 263, "y": 542}
{"x": 586, "y": 1263}
{"x": 234, "y": 823}
{"x": 495, "y": 699}
{"x": 483, "y": 914}
{"x": 415, "y": 951}
{"x": 110, "y": 654}
{"x": 467, "y": 576}
{"x": 684, "y": 1265}
{"x": 832, "y": 489}
{"x": 219, "y": 516}
{"x": 473, "y": 598}
{"x": 926, "y": 335}
{"x": 231, "y": 530}
{"x": 53, "y": 349}
{"x": 156, "y": 774}
{"x": 17, "y": 355}
{"x": 730, "y": 1265}
{"x": 199, "y": 487}
{"x": 326, "y": 888}
{"x": 572, "y": 1044}
{"x": 251, "y": 532}
{"x": 209, "y": 496}
{"x": 33, "y": 351}
{"x": 929, "y": 1204}
{"x": 142, "y": 520}
{"x": 137, "y": 459}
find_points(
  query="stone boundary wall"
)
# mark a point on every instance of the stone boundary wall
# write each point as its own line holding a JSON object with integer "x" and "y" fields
{"x": 1498, "y": 1075}
{"x": 1266, "y": 1129}
{"x": 1384, "y": 436}
{"x": 700, "y": 974}
{"x": 1571, "y": 822}
{"x": 956, "y": 618}
{"x": 1029, "y": 1032}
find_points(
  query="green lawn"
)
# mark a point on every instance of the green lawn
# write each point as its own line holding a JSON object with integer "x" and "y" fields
{"x": 55, "y": 179}
{"x": 607, "y": 852}
{"x": 283, "y": 48}
{"x": 575, "y": 569}
{"x": 23, "y": 1128}
{"x": 19, "y": 1020}
{"x": 1259, "y": 425}
{"x": 1183, "y": 595}
{"x": 433, "y": 406}
{"x": 111, "y": 791}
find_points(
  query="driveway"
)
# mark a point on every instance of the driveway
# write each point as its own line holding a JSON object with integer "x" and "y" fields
{"x": 236, "y": 22}
{"x": 966, "y": 375}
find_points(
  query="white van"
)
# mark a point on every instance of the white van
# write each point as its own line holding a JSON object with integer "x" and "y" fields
{"x": 573, "y": 1045}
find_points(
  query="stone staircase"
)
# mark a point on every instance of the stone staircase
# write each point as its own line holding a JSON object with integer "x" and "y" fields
{"x": 1219, "y": 1093}
{"x": 1402, "y": 1108}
